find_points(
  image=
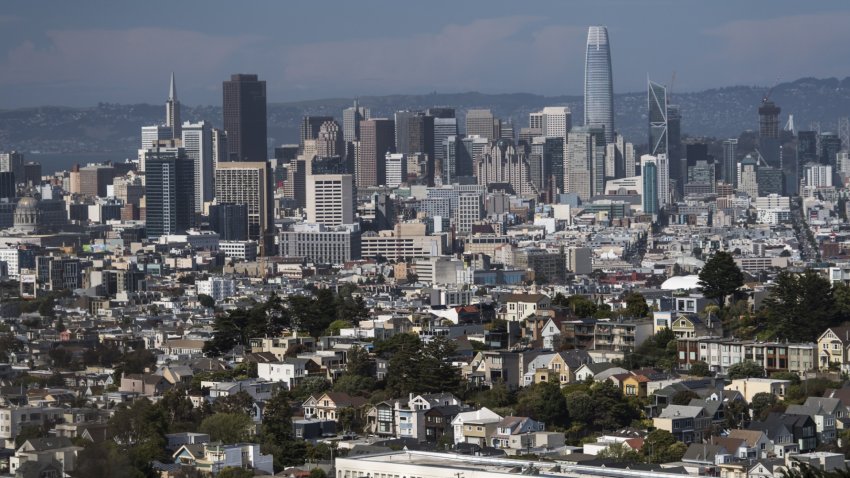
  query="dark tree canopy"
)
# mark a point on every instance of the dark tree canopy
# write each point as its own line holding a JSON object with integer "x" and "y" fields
{"x": 720, "y": 277}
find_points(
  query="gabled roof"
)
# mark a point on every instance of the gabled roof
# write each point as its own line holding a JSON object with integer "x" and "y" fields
{"x": 47, "y": 443}
{"x": 680, "y": 411}
{"x": 751, "y": 437}
{"x": 703, "y": 452}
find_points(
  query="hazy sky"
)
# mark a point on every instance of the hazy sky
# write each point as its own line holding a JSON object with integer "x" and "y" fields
{"x": 82, "y": 52}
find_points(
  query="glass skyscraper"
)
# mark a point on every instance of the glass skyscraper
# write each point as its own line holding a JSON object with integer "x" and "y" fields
{"x": 657, "y": 100}
{"x": 599, "y": 82}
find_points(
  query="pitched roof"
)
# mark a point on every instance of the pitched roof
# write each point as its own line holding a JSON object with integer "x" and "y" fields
{"x": 48, "y": 443}
{"x": 751, "y": 437}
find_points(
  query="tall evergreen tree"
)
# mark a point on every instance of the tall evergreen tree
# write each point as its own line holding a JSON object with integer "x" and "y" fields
{"x": 720, "y": 277}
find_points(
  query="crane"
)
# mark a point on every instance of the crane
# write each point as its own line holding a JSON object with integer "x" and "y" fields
{"x": 766, "y": 96}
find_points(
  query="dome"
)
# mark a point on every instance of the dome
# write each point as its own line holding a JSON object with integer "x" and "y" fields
{"x": 27, "y": 203}
{"x": 681, "y": 283}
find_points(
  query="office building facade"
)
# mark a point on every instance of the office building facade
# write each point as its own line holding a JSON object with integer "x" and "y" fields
{"x": 599, "y": 82}
{"x": 244, "y": 108}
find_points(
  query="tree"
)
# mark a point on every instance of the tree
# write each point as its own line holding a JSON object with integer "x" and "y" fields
{"x": 139, "y": 429}
{"x": 227, "y": 427}
{"x": 700, "y": 369}
{"x": 234, "y": 472}
{"x": 661, "y": 447}
{"x": 318, "y": 473}
{"x": 761, "y": 404}
{"x": 206, "y": 301}
{"x": 745, "y": 369}
{"x": 544, "y": 402}
{"x": 337, "y": 325}
{"x": 720, "y": 277}
{"x": 636, "y": 305}
{"x": 683, "y": 397}
{"x": 105, "y": 459}
{"x": 801, "y": 306}
{"x": 239, "y": 402}
{"x": 620, "y": 453}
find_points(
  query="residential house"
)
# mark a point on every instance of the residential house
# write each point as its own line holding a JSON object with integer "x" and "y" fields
{"x": 438, "y": 422}
{"x": 475, "y": 426}
{"x": 750, "y": 387}
{"x": 755, "y": 444}
{"x": 834, "y": 348}
{"x": 46, "y": 450}
{"x": 148, "y": 385}
{"x": 687, "y": 424}
{"x": 515, "y": 433}
{"x": 704, "y": 458}
{"x": 824, "y": 421}
{"x": 211, "y": 458}
{"x": 280, "y": 346}
{"x": 330, "y": 405}
{"x": 603, "y": 370}
{"x": 721, "y": 353}
{"x": 789, "y": 433}
{"x": 493, "y": 366}
{"x": 291, "y": 371}
{"x": 517, "y": 307}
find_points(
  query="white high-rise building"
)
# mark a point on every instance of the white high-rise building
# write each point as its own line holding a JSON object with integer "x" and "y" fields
{"x": 552, "y": 121}
{"x": 330, "y": 199}
{"x": 351, "y": 118}
{"x": 396, "y": 169}
{"x": 152, "y": 135}
{"x": 198, "y": 143}
{"x": 663, "y": 180}
{"x": 470, "y": 209}
{"x": 818, "y": 175}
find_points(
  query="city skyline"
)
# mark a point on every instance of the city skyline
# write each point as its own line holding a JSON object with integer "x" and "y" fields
{"x": 50, "y": 59}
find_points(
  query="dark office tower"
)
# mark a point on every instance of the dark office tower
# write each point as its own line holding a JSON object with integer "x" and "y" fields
{"x": 377, "y": 138}
{"x": 769, "y": 133}
{"x": 676, "y": 158}
{"x": 807, "y": 147}
{"x": 172, "y": 111}
{"x": 728, "y": 171}
{"x": 32, "y": 173}
{"x": 444, "y": 128}
{"x": 830, "y": 145}
{"x": 286, "y": 153}
{"x": 402, "y": 133}
{"x": 657, "y": 112}
{"x": 351, "y": 118}
{"x": 230, "y": 221}
{"x": 696, "y": 152}
{"x": 245, "y": 118}
{"x": 770, "y": 181}
{"x": 599, "y": 82}
{"x": 415, "y": 134}
{"x": 169, "y": 191}
{"x": 310, "y": 126}
{"x": 441, "y": 112}
{"x": 8, "y": 188}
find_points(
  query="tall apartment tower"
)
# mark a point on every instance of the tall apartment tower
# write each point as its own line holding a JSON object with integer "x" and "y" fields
{"x": 169, "y": 191}
{"x": 330, "y": 199}
{"x": 599, "y": 82}
{"x": 198, "y": 144}
{"x": 172, "y": 110}
{"x": 377, "y": 138}
{"x": 351, "y": 118}
{"x": 482, "y": 123}
{"x": 244, "y": 108}
{"x": 249, "y": 183}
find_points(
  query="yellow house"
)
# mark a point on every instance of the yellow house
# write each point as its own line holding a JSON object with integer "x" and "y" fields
{"x": 834, "y": 347}
{"x": 635, "y": 385}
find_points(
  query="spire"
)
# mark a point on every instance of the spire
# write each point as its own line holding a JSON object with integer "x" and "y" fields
{"x": 172, "y": 91}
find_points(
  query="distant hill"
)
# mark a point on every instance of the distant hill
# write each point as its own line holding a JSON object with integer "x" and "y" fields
{"x": 721, "y": 112}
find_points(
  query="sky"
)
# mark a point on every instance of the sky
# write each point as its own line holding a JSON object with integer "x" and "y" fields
{"x": 83, "y": 52}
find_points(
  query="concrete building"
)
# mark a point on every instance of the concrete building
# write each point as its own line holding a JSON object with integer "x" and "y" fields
{"x": 406, "y": 240}
{"x": 249, "y": 183}
{"x": 321, "y": 244}
{"x": 331, "y": 199}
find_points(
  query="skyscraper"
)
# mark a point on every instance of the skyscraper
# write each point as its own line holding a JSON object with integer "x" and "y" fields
{"x": 482, "y": 123}
{"x": 13, "y": 162}
{"x": 585, "y": 165}
{"x": 249, "y": 183}
{"x": 244, "y": 110}
{"x": 310, "y": 126}
{"x": 657, "y": 109}
{"x": 599, "y": 82}
{"x": 198, "y": 144}
{"x": 169, "y": 191}
{"x": 730, "y": 160}
{"x": 172, "y": 110}
{"x": 329, "y": 141}
{"x": 551, "y": 121}
{"x": 649, "y": 175}
{"x": 678, "y": 166}
{"x": 830, "y": 145}
{"x": 377, "y": 138}
{"x": 351, "y": 118}
{"x": 443, "y": 129}
{"x": 769, "y": 133}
